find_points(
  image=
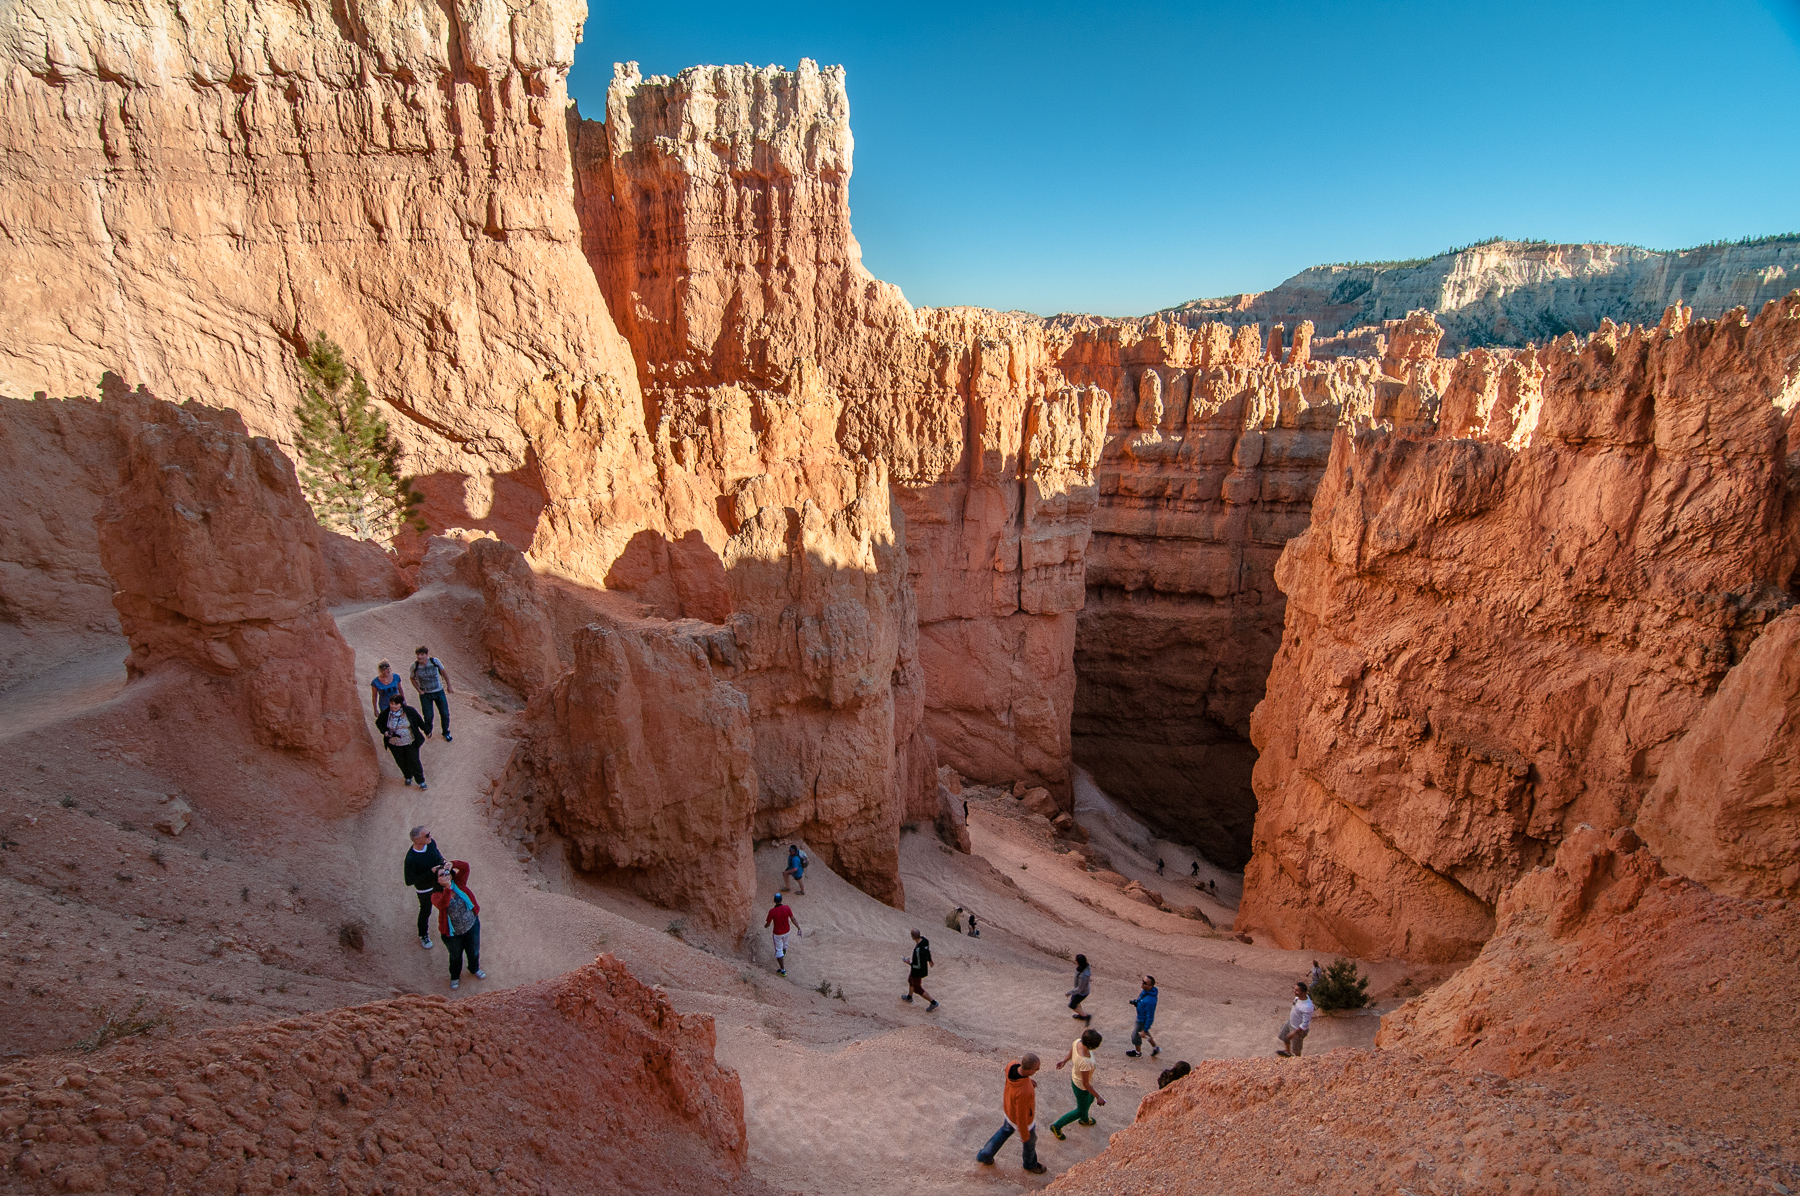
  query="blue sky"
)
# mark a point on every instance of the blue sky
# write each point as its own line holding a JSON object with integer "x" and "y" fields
{"x": 1121, "y": 158}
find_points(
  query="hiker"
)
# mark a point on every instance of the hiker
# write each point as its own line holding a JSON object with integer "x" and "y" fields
{"x": 1081, "y": 1079}
{"x": 1293, "y": 1034}
{"x": 459, "y": 920}
{"x": 432, "y": 680}
{"x": 422, "y": 863}
{"x": 1312, "y": 980}
{"x": 1084, "y": 977}
{"x": 1019, "y": 1104}
{"x": 383, "y": 686}
{"x": 400, "y": 730}
{"x": 1171, "y": 1074}
{"x": 919, "y": 967}
{"x": 796, "y": 867}
{"x": 953, "y": 920}
{"x": 781, "y": 916}
{"x": 1194, "y": 871}
{"x": 1146, "y": 1015}
{"x": 973, "y": 932}
{"x": 1159, "y": 867}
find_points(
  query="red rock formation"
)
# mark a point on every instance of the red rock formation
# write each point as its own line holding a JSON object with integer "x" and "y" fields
{"x": 186, "y": 536}
{"x": 361, "y": 571}
{"x": 503, "y": 1093}
{"x": 515, "y": 624}
{"x": 1487, "y": 644}
{"x": 644, "y": 760}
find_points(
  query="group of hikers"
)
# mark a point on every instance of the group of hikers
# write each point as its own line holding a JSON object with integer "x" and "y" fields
{"x": 403, "y": 729}
{"x": 443, "y": 886}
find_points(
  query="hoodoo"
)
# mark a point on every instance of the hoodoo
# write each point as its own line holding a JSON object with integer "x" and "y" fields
{"x": 1437, "y": 615}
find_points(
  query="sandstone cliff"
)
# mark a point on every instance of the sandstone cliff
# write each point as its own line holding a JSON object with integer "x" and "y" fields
{"x": 1511, "y": 292}
{"x": 501, "y": 1093}
{"x": 1495, "y": 638}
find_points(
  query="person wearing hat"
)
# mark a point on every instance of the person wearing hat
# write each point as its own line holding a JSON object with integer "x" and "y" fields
{"x": 780, "y": 917}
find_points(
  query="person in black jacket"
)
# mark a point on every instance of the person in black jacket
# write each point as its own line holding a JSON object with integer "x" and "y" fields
{"x": 403, "y": 731}
{"x": 917, "y": 969}
{"x": 422, "y": 863}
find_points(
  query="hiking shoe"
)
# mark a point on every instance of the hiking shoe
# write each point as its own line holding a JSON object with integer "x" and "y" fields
{"x": 480, "y": 975}
{"x": 423, "y": 785}
{"x": 781, "y": 971}
{"x": 1131, "y": 1054}
{"x": 1085, "y": 1121}
{"x": 425, "y": 942}
{"x": 1059, "y": 1134}
{"x": 446, "y": 737}
{"x": 1155, "y": 1052}
{"x": 409, "y": 782}
{"x": 456, "y": 984}
{"x": 907, "y": 998}
{"x": 1037, "y": 1170}
{"x": 1283, "y": 1055}
{"x": 931, "y": 1008}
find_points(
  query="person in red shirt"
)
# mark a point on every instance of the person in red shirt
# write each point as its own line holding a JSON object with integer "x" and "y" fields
{"x": 459, "y": 920}
{"x": 780, "y": 918}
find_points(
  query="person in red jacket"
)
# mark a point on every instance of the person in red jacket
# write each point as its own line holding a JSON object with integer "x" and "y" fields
{"x": 459, "y": 920}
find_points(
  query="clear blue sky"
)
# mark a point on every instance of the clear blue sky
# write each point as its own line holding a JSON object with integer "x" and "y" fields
{"x": 1122, "y": 158}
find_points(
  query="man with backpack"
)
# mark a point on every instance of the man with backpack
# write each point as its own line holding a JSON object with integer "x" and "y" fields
{"x": 796, "y": 867}
{"x": 432, "y": 680}
{"x": 919, "y": 966}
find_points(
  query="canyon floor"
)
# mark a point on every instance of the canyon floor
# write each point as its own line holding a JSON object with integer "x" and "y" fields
{"x": 244, "y": 917}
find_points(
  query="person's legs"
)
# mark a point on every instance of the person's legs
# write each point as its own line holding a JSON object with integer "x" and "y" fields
{"x": 986, "y": 1154}
{"x": 399, "y": 755}
{"x": 1283, "y": 1037}
{"x": 472, "y": 945}
{"x": 913, "y": 985}
{"x": 1029, "y": 1140}
{"x": 424, "y": 914}
{"x": 1083, "y": 1098}
{"x": 453, "y": 943}
{"x": 412, "y": 758}
{"x": 1296, "y": 1041}
{"x": 439, "y": 701}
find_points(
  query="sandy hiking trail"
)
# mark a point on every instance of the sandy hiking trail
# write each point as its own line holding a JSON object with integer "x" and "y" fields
{"x": 847, "y": 1088}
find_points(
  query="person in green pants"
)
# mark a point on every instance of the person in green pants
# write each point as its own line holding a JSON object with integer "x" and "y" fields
{"x": 1081, "y": 1079}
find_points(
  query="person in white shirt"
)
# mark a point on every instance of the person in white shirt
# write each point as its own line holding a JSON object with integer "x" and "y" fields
{"x": 1293, "y": 1035}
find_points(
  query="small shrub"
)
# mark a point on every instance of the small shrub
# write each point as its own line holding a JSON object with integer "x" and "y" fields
{"x": 1341, "y": 987}
{"x": 350, "y": 934}
{"x": 675, "y": 928}
{"x": 158, "y": 858}
{"x": 824, "y": 988}
{"x": 114, "y": 1026}
{"x": 67, "y": 802}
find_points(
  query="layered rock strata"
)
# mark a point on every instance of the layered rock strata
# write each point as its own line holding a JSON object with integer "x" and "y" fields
{"x": 500, "y": 1093}
{"x": 1496, "y": 637}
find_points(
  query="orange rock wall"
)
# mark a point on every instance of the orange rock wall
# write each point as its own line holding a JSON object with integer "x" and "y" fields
{"x": 1493, "y": 639}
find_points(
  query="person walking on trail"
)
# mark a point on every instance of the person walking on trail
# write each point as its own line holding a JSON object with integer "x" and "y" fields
{"x": 1159, "y": 867}
{"x": 1312, "y": 980}
{"x": 1194, "y": 871}
{"x": 432, "y": 680}
{"x": 1146, "y": 1016}
{"x": 459, "y": 920}
{"x": 780, "y": 917}
{"x": 919, "y": 967}
{"x": 796, "y": 867}
{"x": 1293, "y": 1034}
{"x": 1084, "y": 978}
{"x": 1019, "y": 1105}
{"x": 383, "y": 685}
{"x": 953, "y": 920}
{"x": 1081, "y": 1079}
{"x": 974, "y": 931}
{"x": 401, "y": 731}
{"x": 422, "y": 863}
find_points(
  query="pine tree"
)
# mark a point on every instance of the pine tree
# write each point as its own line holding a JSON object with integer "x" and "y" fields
{"x": 349, "y": 461}
{"x": 1340, "y": 987}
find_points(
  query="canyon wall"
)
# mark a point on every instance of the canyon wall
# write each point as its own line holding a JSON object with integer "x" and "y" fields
{"x": 192, "y": 196}
{"x": 1508, "y": 293}
{"x": 1496, "y": 638}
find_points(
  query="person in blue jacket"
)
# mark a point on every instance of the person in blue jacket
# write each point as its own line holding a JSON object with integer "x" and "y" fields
{"x": 1146, "y": 1015}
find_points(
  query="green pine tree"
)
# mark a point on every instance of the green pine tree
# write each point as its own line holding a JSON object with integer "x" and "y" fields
{"x": 1340, "y": 988}
{"x": 349, "y": 461}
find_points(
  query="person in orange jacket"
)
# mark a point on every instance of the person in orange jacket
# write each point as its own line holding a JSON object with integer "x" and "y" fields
{"x": 459, "y": 920}
{"x": 1020, "y": 1105}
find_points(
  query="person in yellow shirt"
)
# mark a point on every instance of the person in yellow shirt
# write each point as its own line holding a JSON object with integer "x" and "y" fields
{"x": 1081, "y": 1079}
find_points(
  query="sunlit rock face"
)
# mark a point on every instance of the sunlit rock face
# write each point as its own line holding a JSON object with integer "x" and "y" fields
{"x": 1496, "y": 638}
